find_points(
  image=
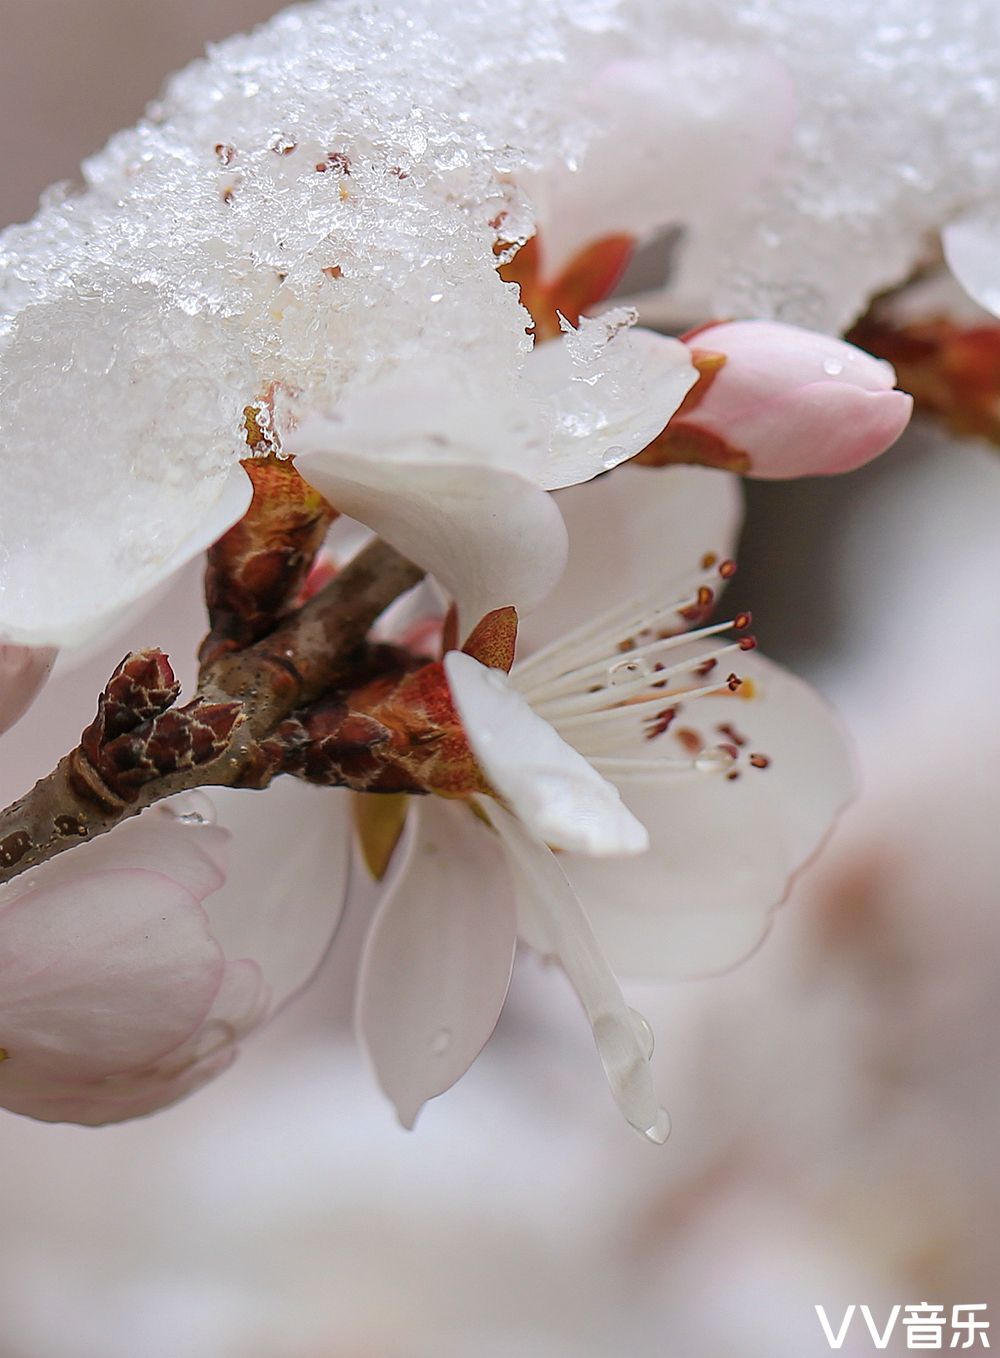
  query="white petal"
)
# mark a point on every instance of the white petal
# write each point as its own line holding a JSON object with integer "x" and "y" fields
{"x": 23, "y": 671}
{"x": 289, "y": 864}
{"x": 45, "y": 600}
{"x": 605, "y": 411}
{"x": 438, "y": 958}
{"x": 629, "y": 533}
{"x": 972, "y": 251}
{"x": 557, "y": 924}
{"x": 491, "y": 537}
{"x": 723, "y": 852}
{"x": 559, "y": 797}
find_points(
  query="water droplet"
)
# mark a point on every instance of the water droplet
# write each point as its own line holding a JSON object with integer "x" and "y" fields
{"x": 613, "y": 456}
{"x": 622, "y": 671}
{"x": 833, "y": 367}
{"x": 660, "y": 1129}
{"x": 190, "y": 808}
{"x": 711, "y": 761}
{"x": 440, "y": 1042}
{"x": 643, "y": 1032}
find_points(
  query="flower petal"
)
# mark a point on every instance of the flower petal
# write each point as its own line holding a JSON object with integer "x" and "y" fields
{"x": 36, "y": 585}
{"x": 971, "y": 248}
{"x": 286, "y": 885}
{"x": 490, "y": 536}
{"x": 605, "y": 406}
{"x": 558, "y": 926}
{"x": 102, "y": 974}
{"x": 23, "y": 671}
{"x": 722, "y": 852}
{"x": 630, "y": 532}
{"x": 437, "y": 960}
{"x": 558, "y": 796}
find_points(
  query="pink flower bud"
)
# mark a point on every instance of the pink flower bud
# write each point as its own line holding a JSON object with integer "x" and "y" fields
{"x": 778, "y": 401}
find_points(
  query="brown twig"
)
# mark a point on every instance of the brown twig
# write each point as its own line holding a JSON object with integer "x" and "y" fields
{"x": 140, "y": 748}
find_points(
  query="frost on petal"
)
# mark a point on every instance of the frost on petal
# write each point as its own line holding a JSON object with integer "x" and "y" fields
{"x": 438, "y": 958}
{"x": 723, "y": 848}
{"x": 23, "y": 671}
{"x": 629, "y": 534}
{"x": 489, "y": 536}
{"x": 678, "y": 136}
{"x": 560, "y": 799}
{"x": 552, "y": 918}
{"x": 972, "y": 250}
{"x": 101, "y": 974}
{"x": 606, "y": 391}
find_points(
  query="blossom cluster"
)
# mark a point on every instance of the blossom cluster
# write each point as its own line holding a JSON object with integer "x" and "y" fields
{"x": 356, "y": 271}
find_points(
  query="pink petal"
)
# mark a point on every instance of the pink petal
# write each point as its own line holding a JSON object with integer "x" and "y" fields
{"x": 438, "y": 958}
{"x": 797, "y": 402}
{"x": 630, "y": 532}
{"x": 23, "y": 671}
{"x": 103, "y": 973}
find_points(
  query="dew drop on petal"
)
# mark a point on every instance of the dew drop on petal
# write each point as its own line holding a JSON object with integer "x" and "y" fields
{"x": 714, "y": 760}
{"x": 833, "y": 367}
{"x": 643, "y": 1032}
{"x": 440, "y": 1042}
{"x": 660, "y": 1129}
{"x": 624, "y": 670}
{"x": 190, "y": 808}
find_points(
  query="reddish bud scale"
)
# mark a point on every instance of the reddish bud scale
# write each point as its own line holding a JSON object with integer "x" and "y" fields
{"x": 256, "y": 570}
{"x": 951, "y": 371}
{"x": 590, "y": 276}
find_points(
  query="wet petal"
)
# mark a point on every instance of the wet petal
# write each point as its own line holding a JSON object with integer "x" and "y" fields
{"x": 438, "y": 958}
{"x": 558, "y": 796}
{"x": 604, "y": 412}
{"x": 551, "y": 916}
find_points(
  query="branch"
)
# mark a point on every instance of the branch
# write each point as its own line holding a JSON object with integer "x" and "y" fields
{"x": 140, "y": 748}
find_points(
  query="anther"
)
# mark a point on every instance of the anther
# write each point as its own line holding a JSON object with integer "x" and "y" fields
{"x": 727, "y": 569}
{"x": 747, "y": 643}
{"x": 760, "y": 761}
{"x": 742, "y": 621}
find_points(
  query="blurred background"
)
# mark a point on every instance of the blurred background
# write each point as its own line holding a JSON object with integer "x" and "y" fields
{"x": 835, "y": 1103}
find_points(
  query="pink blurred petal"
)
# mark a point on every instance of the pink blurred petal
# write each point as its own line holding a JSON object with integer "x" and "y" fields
{"x": 103, "y": 973}
{"x": 438, "y": 958}
{"x": 23, "y": 671}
